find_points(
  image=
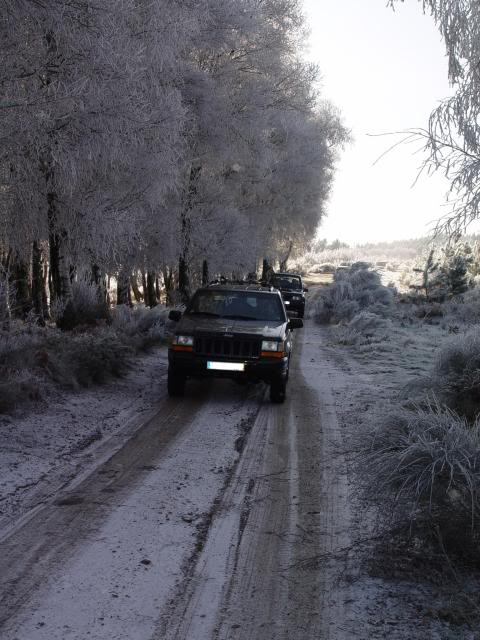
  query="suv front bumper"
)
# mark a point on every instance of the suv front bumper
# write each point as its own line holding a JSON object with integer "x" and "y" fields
{"x": 192, "y": 366}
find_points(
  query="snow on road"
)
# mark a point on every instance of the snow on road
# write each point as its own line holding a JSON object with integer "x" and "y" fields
{"x": 48, "y": 447}
{"x": 222, "y": 517}
{"x": 100, "y": 561}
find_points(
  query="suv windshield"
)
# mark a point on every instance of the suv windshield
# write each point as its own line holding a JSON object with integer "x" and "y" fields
{"x": 293, "y": 283}
{"x": 237, "y": 305}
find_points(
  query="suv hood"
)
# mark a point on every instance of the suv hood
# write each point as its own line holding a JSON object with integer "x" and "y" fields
{"x": 191, "y": 325}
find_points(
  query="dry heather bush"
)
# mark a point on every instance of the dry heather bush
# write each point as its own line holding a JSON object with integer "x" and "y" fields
{"x": 19, "y": 388}
{"x": 323, "y": 268}
{"x": 429, "y": 311}
{"x": 456, "y": 373}
{"x": 84, "y": 308}
{"x": 145, "y": 327}
{"x": 90, "y": 359}
{"x": 364, "y": 328}
{"x": 33, "y": 360}
{"x": 426, "y": 465}
{"x": 19, "y": 379}
{"x": 465, "y": 308}
{"x": 353, "y": 290}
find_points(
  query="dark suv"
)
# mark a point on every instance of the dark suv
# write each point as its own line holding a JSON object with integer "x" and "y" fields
{"x": 238, "y": 331}
{"x": 293, "y": 292}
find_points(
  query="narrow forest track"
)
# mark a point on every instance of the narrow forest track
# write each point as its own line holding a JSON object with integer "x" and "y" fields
{"x": 264, "y": 573}
{"x": 179, "y": 537}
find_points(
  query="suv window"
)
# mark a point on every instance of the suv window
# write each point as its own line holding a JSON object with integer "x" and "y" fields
{"x": 237, "y": 305}
{"x": 293, "y": 283}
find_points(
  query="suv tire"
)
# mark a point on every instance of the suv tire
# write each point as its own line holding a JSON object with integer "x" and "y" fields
{"x": 278, "y": 389}
{"x": 175, "y": 384}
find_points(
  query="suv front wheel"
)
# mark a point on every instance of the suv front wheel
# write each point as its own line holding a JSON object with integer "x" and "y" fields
{"x": 278, "y": 389}
{"x": 175, "y": 384}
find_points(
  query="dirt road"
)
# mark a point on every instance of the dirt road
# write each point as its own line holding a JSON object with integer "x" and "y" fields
{"x": 218, "y": 520}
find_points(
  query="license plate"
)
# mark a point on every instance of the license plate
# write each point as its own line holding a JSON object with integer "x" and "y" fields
{"x": 226, "y": 366}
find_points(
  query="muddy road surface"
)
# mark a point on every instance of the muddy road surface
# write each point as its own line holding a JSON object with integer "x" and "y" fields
{"x": 218, "y": 519}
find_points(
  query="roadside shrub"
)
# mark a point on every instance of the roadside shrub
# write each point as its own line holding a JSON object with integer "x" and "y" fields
{"x": 92, "y": 359}
{"x": 19, "y": 388}
{"x": 324, "y": 268}
{"x": 426, "y": 464}
{"x": 364, "y": 328}
{"x": 145, "y": 327}
{"x": 85, "y": 308}
{"x": 353, "y": 290}
{"x": 361, "y": 265}
{"x": 456, "y": 373}
{"x": 466, "y": 308}
{"x": 428, "y": 311}
{"x": 34, "y": 360}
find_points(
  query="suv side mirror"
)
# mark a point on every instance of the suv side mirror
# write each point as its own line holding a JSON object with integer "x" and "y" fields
{"x": 175, "y": 315}
{"x": 305, "y": 289}
{"x": 295, "y": 323}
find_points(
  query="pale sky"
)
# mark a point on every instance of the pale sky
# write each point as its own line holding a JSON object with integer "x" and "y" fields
{"x": 385, "y": 71}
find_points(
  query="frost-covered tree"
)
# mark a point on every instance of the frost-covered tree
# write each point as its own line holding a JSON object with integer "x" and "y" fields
{"x": 139, "y": 138}
{"x": 453, "y": 134}
{"x": 92, "y": 128}
{"x": 264, "y": 146}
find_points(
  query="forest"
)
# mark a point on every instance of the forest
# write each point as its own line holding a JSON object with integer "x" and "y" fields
{"x": 149, "y": 146}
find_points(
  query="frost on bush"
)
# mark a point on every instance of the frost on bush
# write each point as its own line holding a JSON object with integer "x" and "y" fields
{"x": 92, "y": 359}
{"x": 143, "y": 325}
{"x": 456, "y": 373}
{"x": 85, "y": 307}
{"x": 426, "y": 464}
{"x": 352, "y": 290}
{"x": 467, "y": 308}
{"x": 364, "y": 328}
{"x": 34, "y": 360}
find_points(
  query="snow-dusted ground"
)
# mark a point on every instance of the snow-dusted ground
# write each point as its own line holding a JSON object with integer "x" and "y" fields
{"x": 217, "y": 516}
{"x": 407, "y": 596}
{"x": 48, "y": 447}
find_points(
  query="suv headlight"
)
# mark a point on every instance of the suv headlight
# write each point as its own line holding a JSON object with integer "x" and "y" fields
{"x": 272, "y": 345}
{"x": 296, "y": 297}
{"x": 183, "y": 341}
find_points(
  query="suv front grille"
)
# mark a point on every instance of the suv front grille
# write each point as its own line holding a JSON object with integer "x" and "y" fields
{"x": 227, "y": 347}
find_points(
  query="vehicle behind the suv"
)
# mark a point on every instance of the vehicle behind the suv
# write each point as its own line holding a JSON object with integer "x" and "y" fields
{"x": 293, "y": 292}
{"x": 238, "y": 331}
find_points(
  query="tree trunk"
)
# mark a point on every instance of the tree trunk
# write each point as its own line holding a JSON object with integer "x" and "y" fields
{"x": 145, "y": 289}
{"x": 283, "y": 263}
{"x": 39, "y": 295}
{"x": 20, "y": 279}
{"x": 59, "y": 268}
{"x": 157, "y": 287}
{"x": 45, "y": 277}
{"x": 123, "y": 288}
{"x": 137, "y": 294}
{"x": 152, "y": 297}
{"x": 169, "y": 283}
{"x": 205, "y": 278}
{"x": 100, "y": 283}
{"x": 183, "y": 279}
{"x": 183, "y": 262}
{"x": 5, "y": 309}
{"x": 267, "y": 270}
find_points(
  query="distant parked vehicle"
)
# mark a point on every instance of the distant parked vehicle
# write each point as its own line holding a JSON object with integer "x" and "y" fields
{"x": 293, "y": 292}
